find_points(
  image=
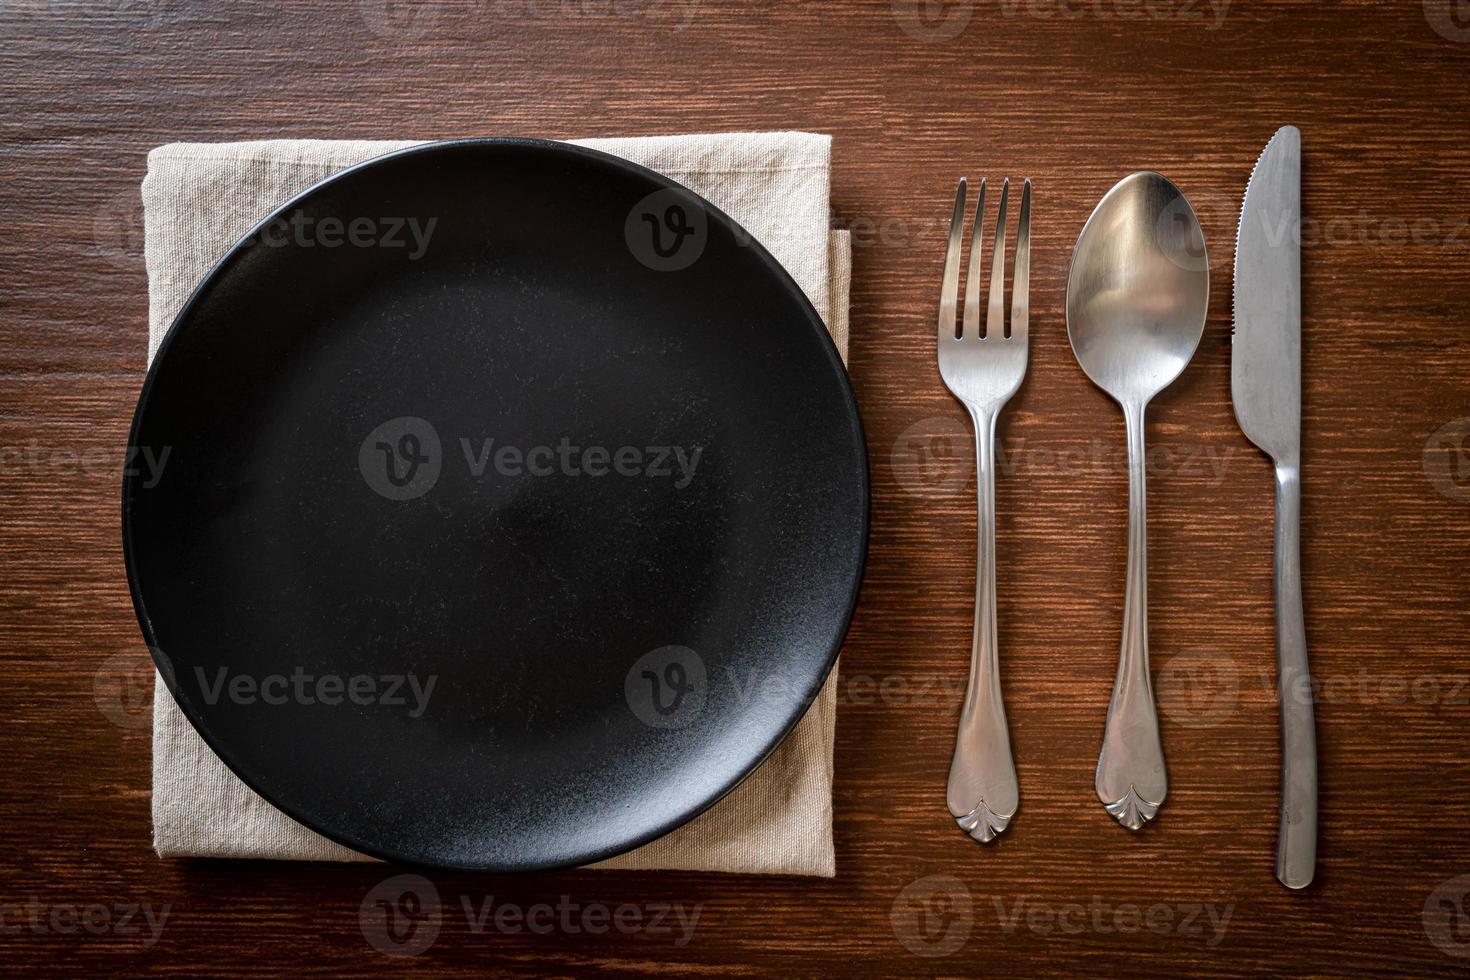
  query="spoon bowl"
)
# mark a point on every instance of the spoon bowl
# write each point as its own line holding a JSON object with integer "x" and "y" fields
{"x": 1138, "y": 289}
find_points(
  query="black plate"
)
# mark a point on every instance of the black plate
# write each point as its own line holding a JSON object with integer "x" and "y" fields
{"x": 614, "y": 639}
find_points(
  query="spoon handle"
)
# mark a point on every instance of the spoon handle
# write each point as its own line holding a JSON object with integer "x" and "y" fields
{"x": 1130, "y": 769}
{"x": 1296, "y": 843}
{"x": 983, "y": 793}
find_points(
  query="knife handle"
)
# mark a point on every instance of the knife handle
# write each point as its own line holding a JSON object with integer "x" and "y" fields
{"x": 1296, "y": 843}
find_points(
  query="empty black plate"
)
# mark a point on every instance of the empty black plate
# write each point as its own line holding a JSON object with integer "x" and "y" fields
{"x": 514, "y": 506}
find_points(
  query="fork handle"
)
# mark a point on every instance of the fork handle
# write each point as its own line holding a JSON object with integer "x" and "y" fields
{"x": 1131, "y": 781}
{"x": 1296, "y": 842}
{"x": 983, "y": 793}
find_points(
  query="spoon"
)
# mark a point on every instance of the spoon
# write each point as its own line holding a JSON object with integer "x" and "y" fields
{"x": 1137, "y": 294}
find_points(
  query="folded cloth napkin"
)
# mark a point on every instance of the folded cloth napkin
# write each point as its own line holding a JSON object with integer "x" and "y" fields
{"x": 199, "y": 198}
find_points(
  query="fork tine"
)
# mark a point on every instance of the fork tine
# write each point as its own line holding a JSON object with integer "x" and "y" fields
{"x": 995, "y": 318}
{"x": 972, "y": 281}
{"x": 1020, "y": 287}
{"x": 950, "y": 285}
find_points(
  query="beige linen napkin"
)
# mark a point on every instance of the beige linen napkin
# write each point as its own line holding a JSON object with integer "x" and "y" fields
{"x": 199, "y": 198}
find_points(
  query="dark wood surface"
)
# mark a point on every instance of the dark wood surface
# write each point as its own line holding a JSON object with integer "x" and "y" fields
{"x": 1073, "y": 95}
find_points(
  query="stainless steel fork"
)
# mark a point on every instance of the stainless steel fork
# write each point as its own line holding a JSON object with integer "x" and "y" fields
{"x": 983, "y": 370}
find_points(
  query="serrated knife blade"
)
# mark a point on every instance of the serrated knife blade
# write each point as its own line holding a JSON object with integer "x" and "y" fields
{"x": 1266, "y": 351}
{"x": 1266, "y": 387}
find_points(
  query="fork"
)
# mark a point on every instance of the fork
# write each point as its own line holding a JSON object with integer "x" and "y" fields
{"x": 983, "y": 371}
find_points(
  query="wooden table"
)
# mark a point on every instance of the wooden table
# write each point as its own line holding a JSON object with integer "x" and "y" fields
{"x": 1074, "y": 94}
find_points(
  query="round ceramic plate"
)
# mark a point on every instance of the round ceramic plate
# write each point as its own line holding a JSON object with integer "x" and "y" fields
{"x": 514, "y": 506}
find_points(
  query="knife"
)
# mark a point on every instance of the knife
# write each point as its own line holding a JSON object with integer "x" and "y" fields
{"x": 1266, "y": 387}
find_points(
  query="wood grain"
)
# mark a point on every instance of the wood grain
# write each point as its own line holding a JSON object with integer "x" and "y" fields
{"x": 1074, "y": 95}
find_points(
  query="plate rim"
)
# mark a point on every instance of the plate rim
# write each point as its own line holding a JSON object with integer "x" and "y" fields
{"x": 803, "y": 705}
